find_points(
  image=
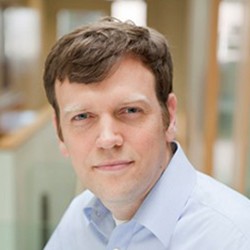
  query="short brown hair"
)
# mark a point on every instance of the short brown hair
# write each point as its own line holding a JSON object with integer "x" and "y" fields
{"x": 89, "y": 54}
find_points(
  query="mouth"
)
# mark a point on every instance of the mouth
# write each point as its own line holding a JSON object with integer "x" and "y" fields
{"x": 113, "y": 165}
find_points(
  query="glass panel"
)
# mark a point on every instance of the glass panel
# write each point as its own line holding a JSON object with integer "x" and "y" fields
{"x": 67, "y": 20}
{"x": 1, "y": 50}
{"x": 231, "y": 17}
{"x": 135, "y": 10}
{"x": 21, "y": 38}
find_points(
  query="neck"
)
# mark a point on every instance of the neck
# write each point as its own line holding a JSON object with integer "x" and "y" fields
{"x": 123, "y": 211}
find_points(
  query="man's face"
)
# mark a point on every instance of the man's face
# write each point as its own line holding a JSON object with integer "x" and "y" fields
{"x": 113, "y": 132}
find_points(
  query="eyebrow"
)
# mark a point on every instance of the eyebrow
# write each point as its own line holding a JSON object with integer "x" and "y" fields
{"x": 136, "y": 98}
{"x": 73, "y": 108}
{"x": 133, "y": 98}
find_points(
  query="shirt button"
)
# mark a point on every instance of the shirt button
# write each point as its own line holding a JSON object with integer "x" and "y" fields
{"x": 116, "y": 248}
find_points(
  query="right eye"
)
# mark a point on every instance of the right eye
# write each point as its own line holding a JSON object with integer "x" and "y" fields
{"x": 82, "y": 116}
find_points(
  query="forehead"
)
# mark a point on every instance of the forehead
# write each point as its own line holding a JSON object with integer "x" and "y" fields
{"x": 131, "y": 81}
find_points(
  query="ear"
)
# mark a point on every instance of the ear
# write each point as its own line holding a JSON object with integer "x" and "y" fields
{"x": 171, "y": 104}
{"x": 61, "y": 143}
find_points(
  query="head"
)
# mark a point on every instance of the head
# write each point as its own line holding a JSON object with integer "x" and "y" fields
{"x": 110, "y": 85}
{"x": 91, "y": 53}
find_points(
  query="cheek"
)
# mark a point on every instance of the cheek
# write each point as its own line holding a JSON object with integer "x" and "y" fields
{"x": 80, "y": 160}
{"x": 151, "y": 144}
{"x": 152, "y": 135}
{"x": 77, "y": 149}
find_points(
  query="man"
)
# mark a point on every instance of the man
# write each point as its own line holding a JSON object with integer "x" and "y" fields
{"x": 110, "y": 84}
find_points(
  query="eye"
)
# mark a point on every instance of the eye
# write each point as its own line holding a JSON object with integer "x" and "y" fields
{"x": 132, "y": 110}
{"x": 82, "y": 116}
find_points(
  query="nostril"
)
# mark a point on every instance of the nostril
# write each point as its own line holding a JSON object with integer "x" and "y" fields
{"x": 109, "y": 141}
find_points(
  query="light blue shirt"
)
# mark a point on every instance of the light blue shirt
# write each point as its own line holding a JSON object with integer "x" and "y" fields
{"x": 185, "y": 210}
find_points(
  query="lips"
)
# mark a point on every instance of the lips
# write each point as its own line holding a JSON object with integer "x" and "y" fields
{"x": 113, "y": 165}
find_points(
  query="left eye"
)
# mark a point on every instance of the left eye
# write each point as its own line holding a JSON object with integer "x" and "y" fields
{"x": 132, "y": 110}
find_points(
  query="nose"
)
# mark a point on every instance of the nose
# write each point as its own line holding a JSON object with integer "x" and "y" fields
{"x": 109, "y": 135}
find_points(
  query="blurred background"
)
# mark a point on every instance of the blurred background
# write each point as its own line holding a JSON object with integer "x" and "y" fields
{"x": 210, "y": 43}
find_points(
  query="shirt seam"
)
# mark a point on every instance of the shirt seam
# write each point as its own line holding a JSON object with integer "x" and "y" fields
{"x": 227, "y": 218}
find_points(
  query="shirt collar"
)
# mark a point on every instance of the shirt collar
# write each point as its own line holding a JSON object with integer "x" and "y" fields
{"x": 100, "y": 217}
{"x": 167, "y": 199}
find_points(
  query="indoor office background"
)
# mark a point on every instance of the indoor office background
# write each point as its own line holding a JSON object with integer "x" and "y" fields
{"x": 210, "y": 43}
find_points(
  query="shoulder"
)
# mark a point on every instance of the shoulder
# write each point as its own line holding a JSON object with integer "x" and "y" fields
{"x": 74, "y": 213}
{"x": 215, "y": 216}
{"x": 222, "y": 198}
{"x": 222, "y": 207}
{"x": 81, "y": 200}
{"x": 75, "y": 209}
{"x": 69, "y": 234}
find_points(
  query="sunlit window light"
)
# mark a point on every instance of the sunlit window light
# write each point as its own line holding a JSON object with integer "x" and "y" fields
{"x": 231, "y": 17}
{"x": 134, "y": 10}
